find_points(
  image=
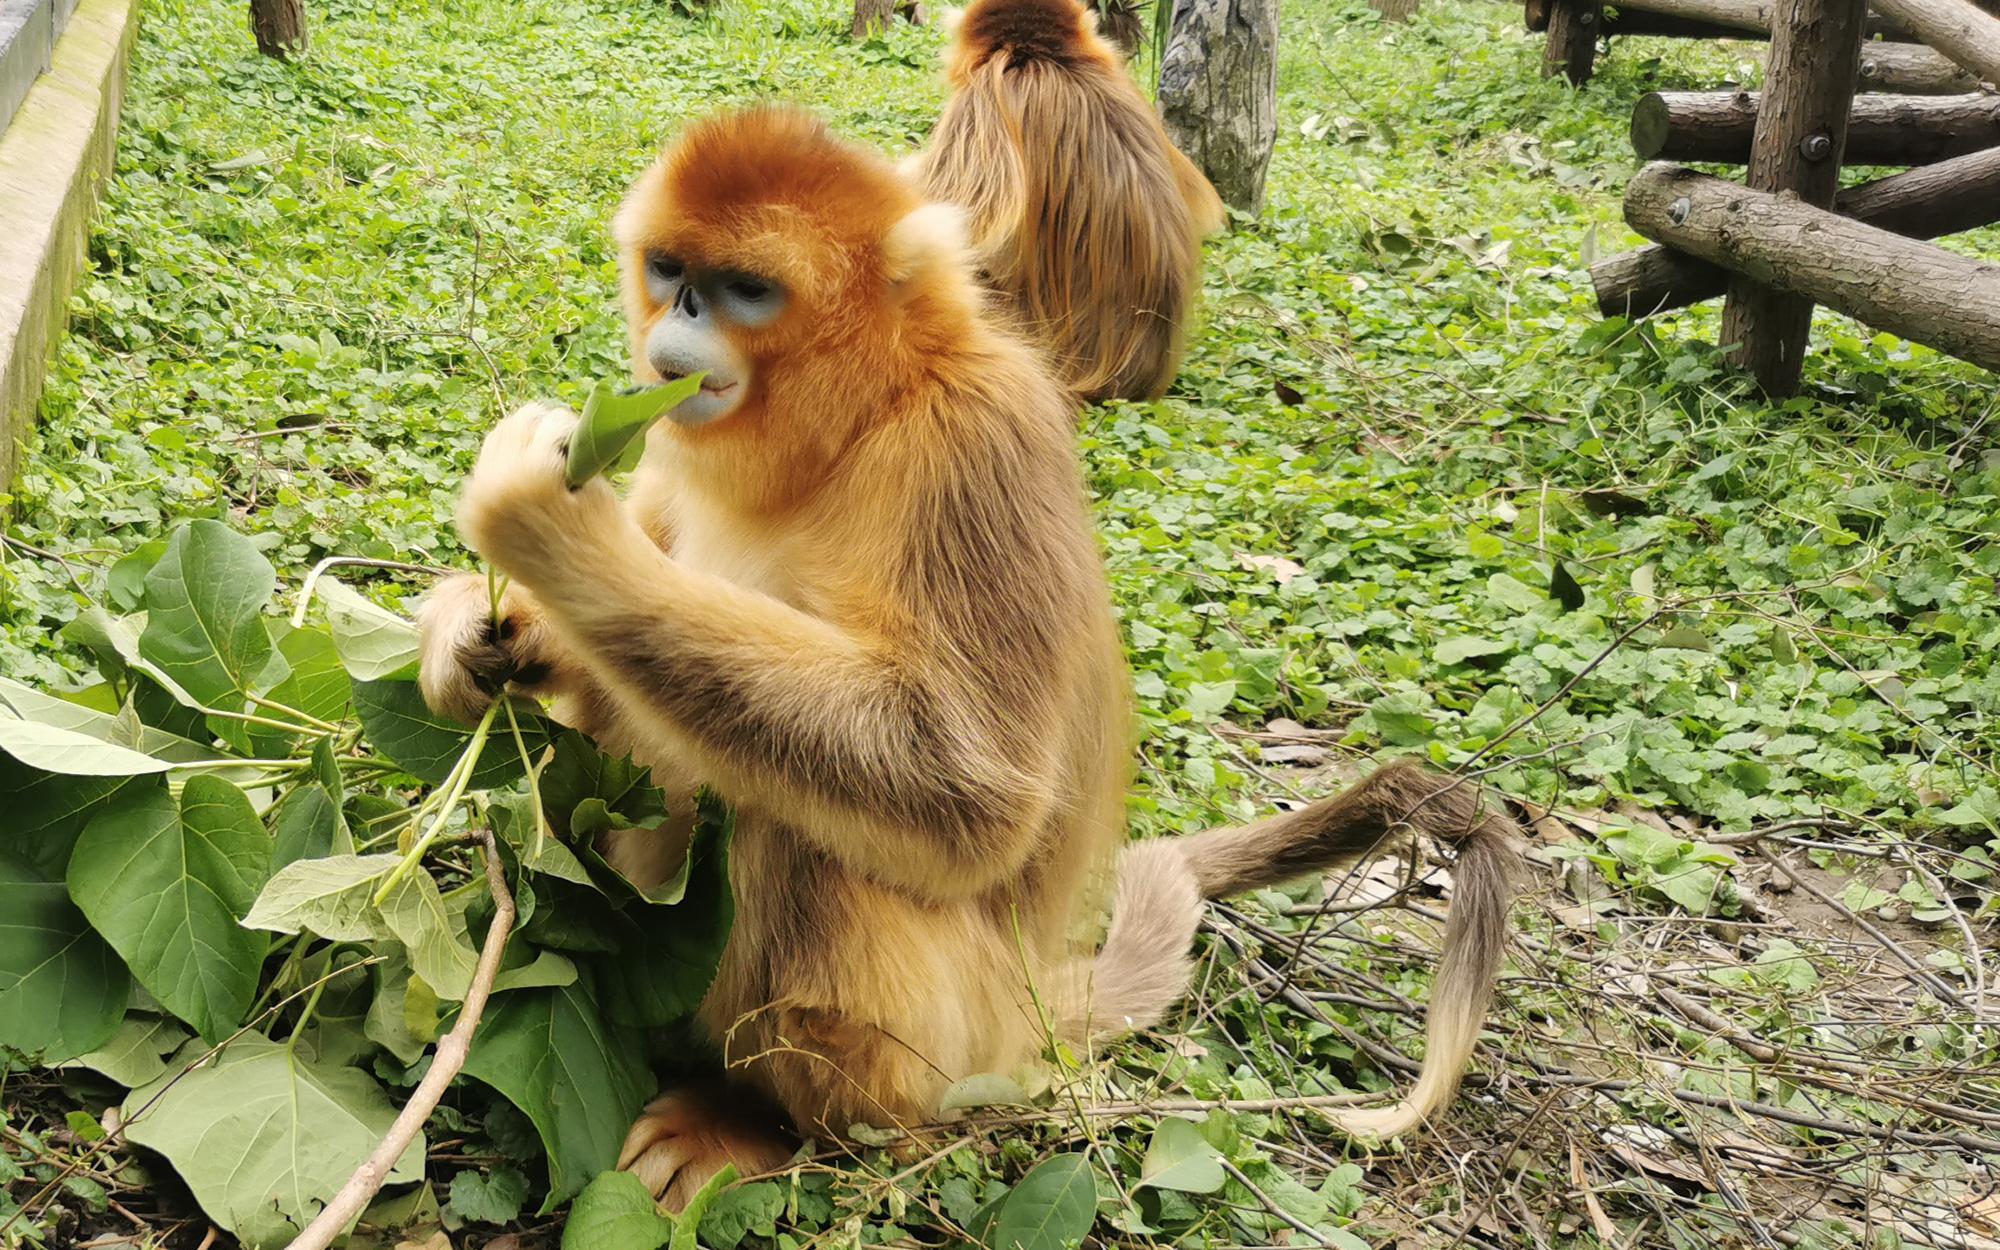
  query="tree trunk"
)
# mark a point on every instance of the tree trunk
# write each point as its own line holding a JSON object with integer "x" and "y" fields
{"x": 1948, "y": 301}
{"x": 1219, "y": 92}
{"x": 1957, "y": 28}
{"x": 1799, "y": 146}
{"x": 1572, "y": 47}
{"x": 1927, "y": 203}
{"x": 871, "y": 15}
{"x": 280, "y": 27}
{"x": 1719, "y": 126}
{"x": 1394, "y": 10}
{"x": 1912, "y": 69}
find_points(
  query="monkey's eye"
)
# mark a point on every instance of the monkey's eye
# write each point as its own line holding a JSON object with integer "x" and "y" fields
{"x": 665, "y": 268}
{"x": 749, "y": 290}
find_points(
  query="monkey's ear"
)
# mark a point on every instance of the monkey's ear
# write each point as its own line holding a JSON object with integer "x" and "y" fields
{"x": 926, "y": 240}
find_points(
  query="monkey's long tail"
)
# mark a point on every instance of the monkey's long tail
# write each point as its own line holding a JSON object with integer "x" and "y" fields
{"x": 1143, "y": 967}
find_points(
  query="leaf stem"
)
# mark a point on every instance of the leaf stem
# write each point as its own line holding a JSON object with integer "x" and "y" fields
{"x": 461, "y": 775}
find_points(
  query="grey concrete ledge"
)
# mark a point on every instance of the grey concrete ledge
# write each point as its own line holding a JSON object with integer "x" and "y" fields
{"x": 53, "y": 155}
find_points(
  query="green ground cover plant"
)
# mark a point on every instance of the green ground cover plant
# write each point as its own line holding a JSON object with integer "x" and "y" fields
{"x": 1410, "y": 495}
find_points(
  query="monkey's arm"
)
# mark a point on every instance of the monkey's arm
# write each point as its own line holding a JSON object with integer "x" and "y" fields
{"x": 870, "y": 755}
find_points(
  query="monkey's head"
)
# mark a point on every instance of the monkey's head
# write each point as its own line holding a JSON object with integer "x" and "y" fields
{"x": 799, "y": 272}
{"x": 1014, "y": 33}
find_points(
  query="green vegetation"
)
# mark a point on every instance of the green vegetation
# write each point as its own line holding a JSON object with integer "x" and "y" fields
{"x": 1408, "y": 492}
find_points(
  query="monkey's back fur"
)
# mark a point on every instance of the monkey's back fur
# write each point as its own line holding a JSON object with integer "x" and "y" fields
{"x": 1087, "y": 222}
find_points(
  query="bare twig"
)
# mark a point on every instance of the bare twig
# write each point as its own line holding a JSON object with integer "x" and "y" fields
{"x": 452, "y": 1049}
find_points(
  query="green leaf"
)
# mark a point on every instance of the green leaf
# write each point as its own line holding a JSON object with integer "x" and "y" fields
{"x": 493, "y": 1198}
{"x": 45, "y": 812}
{"x": 62, "y": 990}
{"x": 1513, "y": 594}
{"x": 374, "y": 644}
{"x": 167, "y": 886}
{"x": 1684, "y": 638}
{"x": 308, "y": 825}
{"x": 316, "y": 685}
{"x": 1563, "y": 587}
{"x": 398, "y": 724}
{"x": 1459, "y": 650}
{"x": 613, "y": 420}
{"x": 387, "y": 1023}
{"x": 1402, "y": 719}
{"x": 984, "y": 1089}
{"x": 125, "y": 583}
{"x": 263, "y": 1136}
{"x": 616, "y": 1212}
{"x": 581, "y": 1082}
{"x": 1179, "y": 1157}
{"x": 123, "y": 730}
{"x": 53, "y": 749}
{"x": 136, "y": 1052}
{"x": 689, "y": 1220}
{"x": 740, "y": 1211}
{"x": 666, "y": 956}
{"x": 205, "y": 603}
{"x": 1052, "y": 1208}
{"x": 331, "y": 896}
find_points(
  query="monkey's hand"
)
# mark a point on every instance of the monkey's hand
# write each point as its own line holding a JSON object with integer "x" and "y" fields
{"x": 518, "y": 512}
{"x": 466, "y": 659}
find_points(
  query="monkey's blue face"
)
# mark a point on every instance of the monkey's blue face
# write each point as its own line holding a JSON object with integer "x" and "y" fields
{"x": 701, "y": 312}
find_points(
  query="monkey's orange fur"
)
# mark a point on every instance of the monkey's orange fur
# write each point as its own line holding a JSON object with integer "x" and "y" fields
{"x": 867, "y": 608}
{"x": 1086, "y": 220}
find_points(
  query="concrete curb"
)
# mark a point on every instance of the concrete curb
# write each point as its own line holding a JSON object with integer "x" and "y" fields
{"x": 53, "y": 156}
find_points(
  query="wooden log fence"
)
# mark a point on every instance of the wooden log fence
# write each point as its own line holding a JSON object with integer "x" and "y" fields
{"x": 1719, "y": 127}
{"x": 1926, "y": 203}
{"x": 1922, "y": 292}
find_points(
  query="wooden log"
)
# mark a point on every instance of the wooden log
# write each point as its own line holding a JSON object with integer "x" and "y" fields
{"x": 1571, "y": 49}
{"x": 1924, "y": 203}
{"x": 1630, "y": 21}
{"x": 1752, "y": 18}
{"x": 1911, "y": 69}
{"x": 1961, "y": 30}
{"x": 1922, "y": 292}
{"x": 1219, "y": 92}
{"x": 1803, "y": 121}
{"x": 279, "y": 26}
{"x": 1719, "y": 126}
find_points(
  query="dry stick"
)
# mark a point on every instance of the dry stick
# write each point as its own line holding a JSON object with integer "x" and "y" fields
{"x": 1917, "y": 972}
{"x": 1270, "y": 1205}
{"x": 449, "y": 1058}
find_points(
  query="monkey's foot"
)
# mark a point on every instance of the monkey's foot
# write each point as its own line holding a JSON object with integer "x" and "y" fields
{"x": 682, "y": 1139}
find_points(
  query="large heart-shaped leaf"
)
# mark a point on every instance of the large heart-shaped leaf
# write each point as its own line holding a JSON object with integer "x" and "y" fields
{"x": 45, "y": 812}
{"x": 332, "y": 896}
{"x": 264, "y": 1135}
{"x": 1051, "y": 1209}
{"x": 123, "y": 730}
{"x": 667, "y": 954}
{"x": 398, "y": 724}
{"x": 167, "y": 884}
{"x": 205, "y": 603}
{"x": 137, "y": 1052}
{"x": 578, "y": 1079}
{"x": 62, "y": 990}
{"x": 374, "y": 643}
{"x": 1179, "y": 1157}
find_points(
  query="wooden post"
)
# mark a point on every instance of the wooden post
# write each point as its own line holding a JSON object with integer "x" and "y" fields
{"x": 1920, "y": 291}
{"x": 1572, "y": 47}
{"x": 1926, "y": 203}
{"x": 1911, "y": 69}
{"x": 1957, "y": 28}
{"x": 1801, "y": 136}
{"x": 280, "y": 27}
{"x": 1720, "y": 126}
{"x": 1219, "y": 92}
